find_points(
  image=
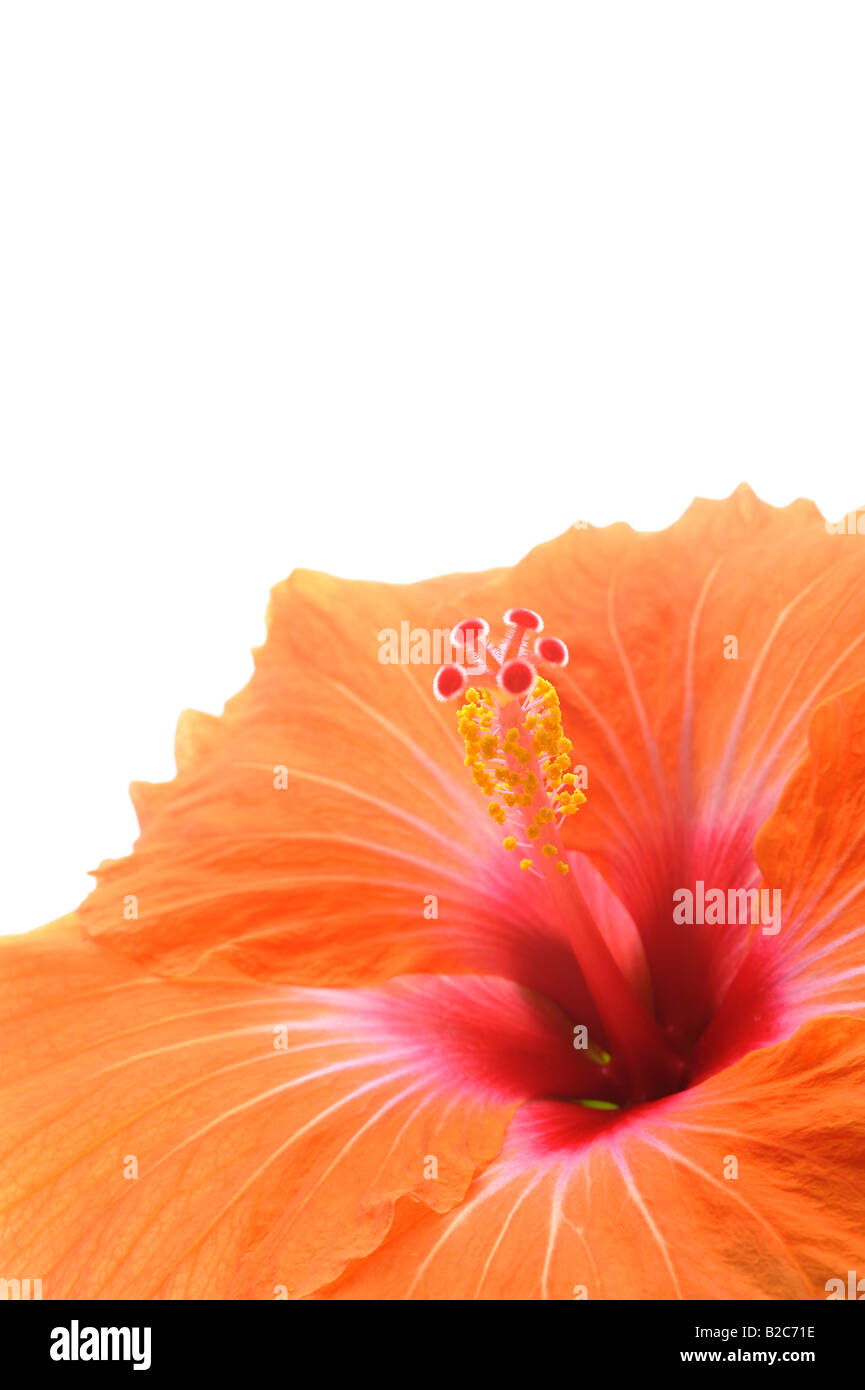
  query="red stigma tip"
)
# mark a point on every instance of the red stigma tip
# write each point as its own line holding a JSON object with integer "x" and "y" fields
{"x": 525, "y": 617}
{"x": 468, "y": 638}
{"x": 449, "y": 681}
{"x": 517, "y": 677}
{"x": 469, "y": 625}
{"x": 552, "y": 650}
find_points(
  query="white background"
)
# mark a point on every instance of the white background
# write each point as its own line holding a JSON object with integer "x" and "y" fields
{"x": 387, "y": 290}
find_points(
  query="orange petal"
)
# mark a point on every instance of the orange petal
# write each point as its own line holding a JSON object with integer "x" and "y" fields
{"x": 327, "y": 881}
{"x": 310, "y": 826}
{"x": 216, "y": 1137}
{"x": 686, "y": 750}
{"x": 813, "y": 851}
{"x": 650, "y": 1209}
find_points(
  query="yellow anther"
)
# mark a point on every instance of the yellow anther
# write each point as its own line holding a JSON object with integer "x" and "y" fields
{"x": 502, "y": 766}
{"x": 562, "y": 867}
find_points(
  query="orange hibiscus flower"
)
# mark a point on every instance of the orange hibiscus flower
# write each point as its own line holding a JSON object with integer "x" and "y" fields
{"x": 345, "y": 1025}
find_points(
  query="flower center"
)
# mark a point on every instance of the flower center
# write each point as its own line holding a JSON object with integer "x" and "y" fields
{"x": 520, "y": 759}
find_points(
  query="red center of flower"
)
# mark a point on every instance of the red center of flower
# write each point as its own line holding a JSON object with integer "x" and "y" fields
{"x": 521, "y": 760}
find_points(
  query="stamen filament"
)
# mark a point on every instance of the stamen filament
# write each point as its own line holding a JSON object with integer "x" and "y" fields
{"x": 641, "y": 1055}
{"x": 520, "y": 759}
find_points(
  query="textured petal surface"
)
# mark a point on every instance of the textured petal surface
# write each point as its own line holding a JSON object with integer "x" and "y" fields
{"x": 647, "y": 1207}
{"x": 702, "y": 653}
{"x": 374, "y": 816}
{"x": 813, "y": 851}
{"x": 310, "y": 824}
{"x": 326, "y": 1141}
{"x": 272, "y": 1128}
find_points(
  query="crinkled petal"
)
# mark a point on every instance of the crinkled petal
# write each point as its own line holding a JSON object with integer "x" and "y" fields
{"x": 218, "y": 1137}
{"x": 329, "y": 878}
{"x": 747, "y": 1187}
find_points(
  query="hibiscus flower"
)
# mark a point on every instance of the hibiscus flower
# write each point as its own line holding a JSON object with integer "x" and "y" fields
{"x": 390, "y": 999}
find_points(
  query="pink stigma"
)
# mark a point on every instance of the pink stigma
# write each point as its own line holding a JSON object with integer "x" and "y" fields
{"x": 552, "y": 650}
{"x": 449, "y": 681}
{"x": 517, "y": 677}
{"x": 525, "y": 617}
{"x": 510, "y": 663}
